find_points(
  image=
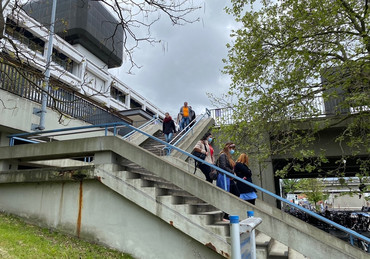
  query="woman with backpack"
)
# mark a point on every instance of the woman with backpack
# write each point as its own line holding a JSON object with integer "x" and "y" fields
{"x": 203, "y": 147}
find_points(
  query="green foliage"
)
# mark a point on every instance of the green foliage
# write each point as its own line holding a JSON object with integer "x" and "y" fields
{"x": 313, "y": 188}
{"x": 284, "y": 57}
{"x": 290, "y": 186}
{"x": 21, "y": 240}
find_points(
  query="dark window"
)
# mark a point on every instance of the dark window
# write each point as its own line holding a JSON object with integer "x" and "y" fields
{"x": 150, "y": 112}
{"x": 62, "y": 60}
{"x": 134, "y": 104}
{"x": 117, "y": 95}
{"x": 24, "y": 36}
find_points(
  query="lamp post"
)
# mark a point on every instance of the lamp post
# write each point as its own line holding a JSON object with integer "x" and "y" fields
{"x": 44, "y": 96}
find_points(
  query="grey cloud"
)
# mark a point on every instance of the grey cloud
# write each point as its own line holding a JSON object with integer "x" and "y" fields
{"x": 187, "y": 64}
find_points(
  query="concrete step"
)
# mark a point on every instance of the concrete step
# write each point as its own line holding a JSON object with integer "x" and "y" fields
{"x": 293, "y": 254}
{"x": 186, "y": 199}
{"x": 222, "y": 230}
{"x": 138, "y": 183}
{"x": 202, "y": 207}
{"x": 214, "y": 216}
{"x": 165, "y": 199}
{"x": 153, "y": 191}
{"x": 277, "y": 250}
{"x": 225, "y": 225}
{"x": 161, "y": 184}
{"x": 124, "y": 175}
{"x": 262, "y": 239}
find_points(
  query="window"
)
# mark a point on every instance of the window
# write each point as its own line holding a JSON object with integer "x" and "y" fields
{"x": 134, "y": 104}
{"x": 24, "y": 36}
{"x": 117, "y": 95}
{"x": 150, "y": 112}
{"x": 62, "y": 60}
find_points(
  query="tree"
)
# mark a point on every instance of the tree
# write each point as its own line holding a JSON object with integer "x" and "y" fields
{"x": 290, "y": 186}
{"x": 286, "y": 57}
{"x": 314, "y": 190}
{"x": 133, "y": 18}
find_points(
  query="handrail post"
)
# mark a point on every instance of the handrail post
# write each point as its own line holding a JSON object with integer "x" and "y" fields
{"x": 351, "y": 239}
{"x": 235, "y": 237}
{"x": 225, "y": 182}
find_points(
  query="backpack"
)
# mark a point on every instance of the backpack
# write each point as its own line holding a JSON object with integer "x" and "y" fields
{"x": 214, "y": 173}
{"x": 199, "y": 155}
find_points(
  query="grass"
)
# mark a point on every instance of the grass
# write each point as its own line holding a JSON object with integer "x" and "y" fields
{"x": 21, "y": 240}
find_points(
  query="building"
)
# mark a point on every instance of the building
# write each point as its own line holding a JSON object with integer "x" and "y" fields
{"x": 81, "y": 88}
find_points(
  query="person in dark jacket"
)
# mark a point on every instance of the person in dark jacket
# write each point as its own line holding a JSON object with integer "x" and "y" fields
{"x": 225, "y": 162}
{"x": 192, "y": 117}
{"x": 169, "y": 127}
{"x": 241, "y": 169}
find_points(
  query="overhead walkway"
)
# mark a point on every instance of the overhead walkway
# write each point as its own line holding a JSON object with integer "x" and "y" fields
{"x": 165, "y": 189}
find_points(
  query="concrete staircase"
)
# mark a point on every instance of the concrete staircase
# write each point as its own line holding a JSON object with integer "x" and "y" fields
{"x": 188, "y": 204}
{"x": 153, "y": 146}
{"x": 189, "y": 214}
{"x": 153, "y": 183}
{"x": 198, "y": 219}
{"x": 194, "y": 133}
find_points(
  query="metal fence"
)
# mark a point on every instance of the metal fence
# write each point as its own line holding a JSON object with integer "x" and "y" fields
{"x": 29, "y": 85}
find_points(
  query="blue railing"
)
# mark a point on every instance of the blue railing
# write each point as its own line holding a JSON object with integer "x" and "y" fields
{"x": 115, "y": 126}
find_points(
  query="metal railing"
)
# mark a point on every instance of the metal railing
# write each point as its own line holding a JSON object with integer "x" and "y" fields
{"x": 32, "y": 137}
{"x": 225, "y": 173}
{"x": 29, "y": 86}
{"x": 187, "y": 130}
{"x": 155, "y": 119}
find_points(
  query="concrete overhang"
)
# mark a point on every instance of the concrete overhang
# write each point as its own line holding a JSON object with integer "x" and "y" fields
{"x": 136, "y": 115}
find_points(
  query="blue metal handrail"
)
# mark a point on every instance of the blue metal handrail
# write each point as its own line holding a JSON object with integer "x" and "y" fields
{"x": 350, "y": 232}
{"x": 334, "y": 224}
{"x": 106, "y": 126}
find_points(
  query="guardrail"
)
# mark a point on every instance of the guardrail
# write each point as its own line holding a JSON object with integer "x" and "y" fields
{"x": 29, "y": 85}
{"x": 153, "y": 120}
{"x": 225, "y": 173}
{"x": 108, "y": 127}
{"x": 183, "y": 133}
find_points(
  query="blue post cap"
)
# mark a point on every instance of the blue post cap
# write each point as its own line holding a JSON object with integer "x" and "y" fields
{"x": 234, "y": 219}
{"x": 250, "y": 213}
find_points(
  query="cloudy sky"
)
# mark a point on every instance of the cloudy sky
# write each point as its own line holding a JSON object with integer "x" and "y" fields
{"x": 187, "y": 64}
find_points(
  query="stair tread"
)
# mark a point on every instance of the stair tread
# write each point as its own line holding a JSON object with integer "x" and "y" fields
{"x": 262, "y": 239}
{"x": 209, "y": 212}
{"x": 296, "y": 255}
{"x": 278, "y": 249}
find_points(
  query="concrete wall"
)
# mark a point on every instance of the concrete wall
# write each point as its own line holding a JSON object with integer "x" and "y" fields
{"x": 106, "y": 217}
{"x": 17, "y": 116}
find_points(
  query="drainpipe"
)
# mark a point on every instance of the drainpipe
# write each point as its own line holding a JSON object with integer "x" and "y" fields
{"x": 44, "y": 97}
